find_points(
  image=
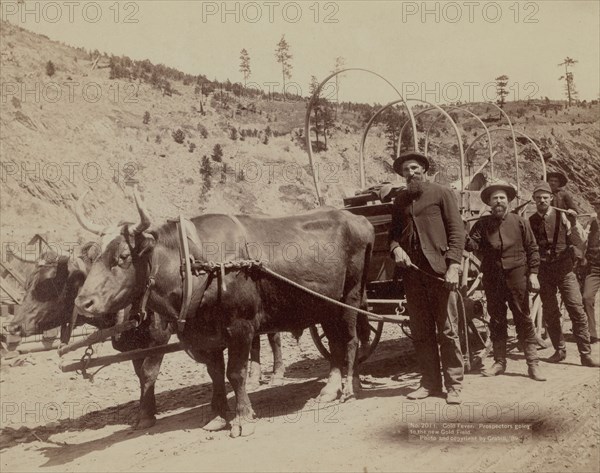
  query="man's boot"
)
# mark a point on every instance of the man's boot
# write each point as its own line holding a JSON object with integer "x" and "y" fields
{"x": 533, "y": 362}
{"x": 499, "y": 366}
{"x": 559, "y": 355}
{"x": 585, "y": 351}
{"x": 587, "y": 360}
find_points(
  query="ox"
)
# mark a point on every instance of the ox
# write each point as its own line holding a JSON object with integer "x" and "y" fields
{"x": 51, "y": 288}
{"x": 53, "y": 282}
{"x": 228, "y": 311}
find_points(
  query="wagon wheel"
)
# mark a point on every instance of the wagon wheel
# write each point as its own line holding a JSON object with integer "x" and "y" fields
{"x": 541, "y": 334}
{"x": 320, "y": 340}
{"x": 473, "y": 325}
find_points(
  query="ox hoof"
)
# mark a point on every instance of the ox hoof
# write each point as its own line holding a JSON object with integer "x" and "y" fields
{"x": 244, "y": 429}
{"x": 347, "y": 397}
{"x": 253, "y": 380}
{"x": 218, "y": 423}
{"x": 328, "y": 396}
{"x": 144, "y": 423}
{"x": 364, "y": 350}
{"x": 276, "y": 380}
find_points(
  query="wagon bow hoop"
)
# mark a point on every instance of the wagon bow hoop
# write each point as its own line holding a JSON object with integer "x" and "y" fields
{"x": 307, "y": 126}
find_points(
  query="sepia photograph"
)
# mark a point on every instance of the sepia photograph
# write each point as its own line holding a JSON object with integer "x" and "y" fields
{"x": 300, "y": 236}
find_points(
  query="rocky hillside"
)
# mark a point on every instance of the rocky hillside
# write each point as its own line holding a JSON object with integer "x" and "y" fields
{"x": 79, "y": 130}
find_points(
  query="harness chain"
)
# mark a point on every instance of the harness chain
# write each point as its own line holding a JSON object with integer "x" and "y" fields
{"x": 201, "y": 267}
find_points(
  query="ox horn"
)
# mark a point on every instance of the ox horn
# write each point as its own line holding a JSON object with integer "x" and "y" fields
{"x": 83, "y": 221}
{"x": 144, "y": 222}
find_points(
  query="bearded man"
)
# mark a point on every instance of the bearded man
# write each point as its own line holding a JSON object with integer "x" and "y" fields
{"x": 510, "y": 263}
{"x": 426, "y": 241}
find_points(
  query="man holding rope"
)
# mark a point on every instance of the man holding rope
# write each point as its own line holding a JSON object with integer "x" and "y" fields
{"x": 510, "y": 262}
{"x": 426, "y": 240}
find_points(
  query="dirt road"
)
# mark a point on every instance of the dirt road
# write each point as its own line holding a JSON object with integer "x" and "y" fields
{"x": 58, "y": 422}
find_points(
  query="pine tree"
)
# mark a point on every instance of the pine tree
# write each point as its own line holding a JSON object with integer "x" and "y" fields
{"x": 245, "y": 65}
{"x": 569, "y": 80}
{"x": 179, "y": 136}
{"x": 501, "y": 92}
{"x": 282, "y": 53}
{"x": 206, "y": 173}
{"x": 50, "y": 69}
{"x": 217, "y": 153}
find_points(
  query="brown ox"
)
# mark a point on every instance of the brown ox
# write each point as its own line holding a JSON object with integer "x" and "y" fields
{"x": 51, "y": 288}
{"x": 331, "y": 252}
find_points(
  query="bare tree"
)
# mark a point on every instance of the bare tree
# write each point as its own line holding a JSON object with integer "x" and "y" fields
{"x": 282, "y": 53}
{"x": 568, "y": 78}
{"x": 340, "y": 62}
{"x": 245, "y": 65}
{"x": 317, "y": 127}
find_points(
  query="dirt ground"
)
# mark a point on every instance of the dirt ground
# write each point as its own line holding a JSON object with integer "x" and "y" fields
{"x": 53, "y": 421}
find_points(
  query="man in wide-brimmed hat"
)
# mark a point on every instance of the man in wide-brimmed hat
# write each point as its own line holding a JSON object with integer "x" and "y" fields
{"x": 592, "y": 280}
{"x": 426, "y": 241}
{"x": 562, "y": 199}
{"x": 510, "y": 262}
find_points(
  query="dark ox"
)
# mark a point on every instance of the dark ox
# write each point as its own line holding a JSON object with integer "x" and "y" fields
{"x": 253, "y": 301}
{"x": 51, "y": 289}
{"x": 52, "y": 284}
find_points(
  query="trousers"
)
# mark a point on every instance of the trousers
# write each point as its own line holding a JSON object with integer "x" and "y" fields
{"x": 590, "y": 288}
{"x": 559, "y": 276}
{"x": 508, "y": 289}
{"x": 433, "y": 322}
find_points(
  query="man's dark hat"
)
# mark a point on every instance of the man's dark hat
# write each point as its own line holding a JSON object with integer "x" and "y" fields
{"x": 487, "y": 192}
{"x": 562, "y": 179}
{"x": 408, "y": 156}
{"x": 542, "y": 186}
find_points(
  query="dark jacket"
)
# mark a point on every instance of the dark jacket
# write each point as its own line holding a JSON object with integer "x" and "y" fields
{"x": 432, "y": 223}
{"x": 551, "y": 235}
{"x": 507, "y": 244}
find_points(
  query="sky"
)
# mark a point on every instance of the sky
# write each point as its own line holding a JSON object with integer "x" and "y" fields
{"x": 436, "y": 51}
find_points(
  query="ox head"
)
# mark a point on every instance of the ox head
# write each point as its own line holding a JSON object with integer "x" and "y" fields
{"x": 50, "y": 292}
{"x": 118, "y": 275}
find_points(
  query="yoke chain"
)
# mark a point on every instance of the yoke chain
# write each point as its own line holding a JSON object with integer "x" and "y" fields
{"x": 203, "y": 267}
{"x": 85, "y": 360}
